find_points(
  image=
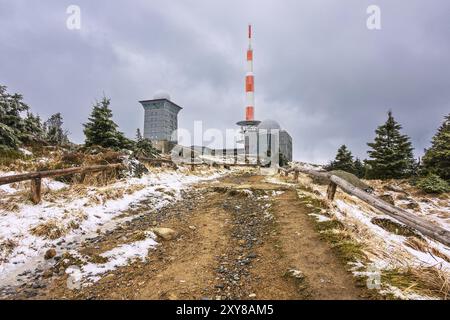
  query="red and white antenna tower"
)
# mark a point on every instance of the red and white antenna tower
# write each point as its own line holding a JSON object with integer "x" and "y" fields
{"x": 250, "y": 80}
{"x": 249, "y": 121}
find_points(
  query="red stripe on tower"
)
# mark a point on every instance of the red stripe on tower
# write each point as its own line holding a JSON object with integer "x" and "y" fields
{"x": 249, "y": 113}
{"x": 249, "y": 84}
{"x": 250, "y": 80}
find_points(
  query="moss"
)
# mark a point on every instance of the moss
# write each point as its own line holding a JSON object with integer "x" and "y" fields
{"x": 351, "y": 178}
{"x": 315, "y": 202}
{"x": 329, "y": 225}
{"x": 395, "y": 227}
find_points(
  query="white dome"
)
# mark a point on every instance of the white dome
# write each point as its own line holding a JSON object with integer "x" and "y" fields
{"x": 161, "y": 95}
{"x": 269, "y": 124}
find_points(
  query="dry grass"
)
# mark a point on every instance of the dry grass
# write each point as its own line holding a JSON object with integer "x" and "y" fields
{"x": 6, "y": 247}
{"x": 406, "y": 274}
{"x": 421, "y": 245}
{"x": 433, "y": 279}
{"x": 54, "y": 229}
{"x": 49, "y": 230}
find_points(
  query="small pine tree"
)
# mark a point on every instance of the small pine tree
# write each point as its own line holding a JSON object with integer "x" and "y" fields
{"x": 8, "y": 139}
{"x": 359, "y": 168}
{"x": 138, "y": 134}
{"x": 143, "y": 147}
{"x": 34, "y": 129}
{"x": 55, "y": 134}
{"x": 343, "y": 160}
{"x": 101, "y": 130}
{"x": 437, "y": 158}
{"x": 391, "y": 156}
{"x": 13, "y": 131}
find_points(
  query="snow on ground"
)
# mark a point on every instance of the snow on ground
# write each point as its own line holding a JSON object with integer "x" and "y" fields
{"x": 385, "y": 250}
{"x": 81, "y": 217}
{"x": 350, "y": 213}
{"x": 117, "y": 257}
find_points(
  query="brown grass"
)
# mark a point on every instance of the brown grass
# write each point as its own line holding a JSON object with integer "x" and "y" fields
{"x": 49, "y": 230}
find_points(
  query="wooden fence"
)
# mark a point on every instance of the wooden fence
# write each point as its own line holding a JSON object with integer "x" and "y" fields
{"x": 36, "y": 177}
{"x": 414, "y": 221}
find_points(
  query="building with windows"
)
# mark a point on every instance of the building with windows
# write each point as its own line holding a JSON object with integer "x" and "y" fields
{"x": 160, "y": 121}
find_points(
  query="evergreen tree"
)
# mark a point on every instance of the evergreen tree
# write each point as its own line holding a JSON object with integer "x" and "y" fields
{"x": 437, "y": 158}
{"x": 34, "y": 129}
{"x": 138, "y": 134}
{"x": 391, "y": 156}
{"x": 12, "y": 131}
{"x": 8, "y": 138}
{"x": 359, "y": 168}
{"x": 55, "y": 134}
{"x": 101, "y": 130}
{"x": 343, "y": 160}
{"x": 144, "y": 147}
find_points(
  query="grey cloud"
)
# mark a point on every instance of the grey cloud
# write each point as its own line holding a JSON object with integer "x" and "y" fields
{"x": 319, "y": 71}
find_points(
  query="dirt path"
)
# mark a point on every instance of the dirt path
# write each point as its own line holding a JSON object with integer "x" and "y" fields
{"x": 239, "y": 238}
{"x": 301, "y": 249}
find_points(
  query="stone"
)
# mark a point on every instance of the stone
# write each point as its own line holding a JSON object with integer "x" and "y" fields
{"x": 49, "y": 254}
{"x": 413, "y": 205}
{"x": 165, "y": 233}
{"x": 47, "y": 274}
{"x": 388, "y": 198}
{"x": 252, "y": 295}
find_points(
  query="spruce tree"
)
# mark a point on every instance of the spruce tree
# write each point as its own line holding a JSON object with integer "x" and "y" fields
{"x": 12, "y": 131}
{"x": 34, "y": 129}
{"x": 55, "y": 134}
{"x": 343, "y": 160}
{"x": 359, "y": 168}
{"x": 101, "y": 130}
{"x": 391, "y": 156}
{"x": 144, "y": 147}
{"x": 437, "y": 158}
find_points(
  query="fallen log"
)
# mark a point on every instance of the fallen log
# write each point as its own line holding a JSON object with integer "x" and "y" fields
{"x": 425, "y": 227}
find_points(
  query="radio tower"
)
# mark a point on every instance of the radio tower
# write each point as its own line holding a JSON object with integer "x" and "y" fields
{"x": 249, "y": 125}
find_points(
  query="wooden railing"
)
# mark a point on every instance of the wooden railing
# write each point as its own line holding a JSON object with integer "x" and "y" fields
{"x": 414, "y": 221}
{"x": 36, "y": 177}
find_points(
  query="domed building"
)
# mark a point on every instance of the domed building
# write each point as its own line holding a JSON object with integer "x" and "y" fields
{"x": 160, "y": 121}
{"x": 268, "y": 131}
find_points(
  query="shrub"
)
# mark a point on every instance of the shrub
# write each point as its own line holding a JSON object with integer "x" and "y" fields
{"x": 433, "y": 184}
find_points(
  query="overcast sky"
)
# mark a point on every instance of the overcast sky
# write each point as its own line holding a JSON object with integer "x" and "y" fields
{"x": 319, "y": 71}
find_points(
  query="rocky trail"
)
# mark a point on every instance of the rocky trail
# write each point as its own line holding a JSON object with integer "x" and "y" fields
{"x": 236, "y": 238}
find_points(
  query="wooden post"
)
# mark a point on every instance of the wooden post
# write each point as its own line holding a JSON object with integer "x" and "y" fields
{"x": 296, "y": 175}
{"x": 235, "y": 156}
{"x": 192, "y": 159}
{"x": 331, "y": 191}
{"x": 36, "y": 190}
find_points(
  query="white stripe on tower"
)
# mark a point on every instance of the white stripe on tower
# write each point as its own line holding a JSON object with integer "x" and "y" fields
{"x": 250, "y": 80}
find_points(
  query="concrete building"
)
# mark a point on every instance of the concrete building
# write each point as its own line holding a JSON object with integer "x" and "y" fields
{"x": 270, "y": 136}
{"x": 160, "y": 121}
{"x": 286, "y": 145}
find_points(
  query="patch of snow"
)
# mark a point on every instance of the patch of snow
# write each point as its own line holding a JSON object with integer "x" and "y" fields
{"x": 319, "y": 217}
{"x": 161, "y": 189}
{"x": 118, "y": 257}
{"x": 26, "y": 152}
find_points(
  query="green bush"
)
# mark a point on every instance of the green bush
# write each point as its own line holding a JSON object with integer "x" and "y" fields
{"x": 433, "y": 184}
